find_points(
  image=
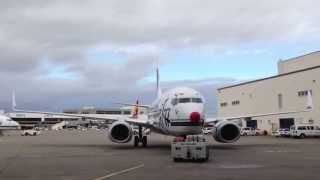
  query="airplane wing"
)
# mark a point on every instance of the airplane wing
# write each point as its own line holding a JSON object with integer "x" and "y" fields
{"x": 213, "y": 120}
{"x": 141, "y": 106}
{"x": 140, "y": 122}
{"x": 109, "y": 118}
{"x": 309, "y": 107}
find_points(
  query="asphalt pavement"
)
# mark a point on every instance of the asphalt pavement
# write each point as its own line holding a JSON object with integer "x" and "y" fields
{"x": 89, "y": 155}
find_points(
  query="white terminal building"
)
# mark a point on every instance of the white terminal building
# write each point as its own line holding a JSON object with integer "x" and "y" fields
{"x": 287, "y": 91}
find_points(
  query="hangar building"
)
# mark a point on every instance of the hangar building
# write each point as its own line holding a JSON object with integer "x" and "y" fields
{"x": 287, "y": 91}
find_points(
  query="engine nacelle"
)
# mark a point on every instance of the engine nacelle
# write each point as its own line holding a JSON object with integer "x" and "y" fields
{"x": 226, "y": 132}
{"x": 120, "y": 132}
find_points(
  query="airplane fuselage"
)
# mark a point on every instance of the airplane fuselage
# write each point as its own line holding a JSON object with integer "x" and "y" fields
{"x": 178, "y": 112}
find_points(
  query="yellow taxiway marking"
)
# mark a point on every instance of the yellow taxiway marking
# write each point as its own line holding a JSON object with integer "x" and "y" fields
{"x": 119, "y": 172}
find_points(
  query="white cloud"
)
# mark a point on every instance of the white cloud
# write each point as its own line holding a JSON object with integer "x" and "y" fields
{"x": 63, "y": 32}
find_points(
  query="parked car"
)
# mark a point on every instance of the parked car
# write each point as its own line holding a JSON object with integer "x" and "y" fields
{"x": 261, "y": 132}
{"x": 247, "y": 131}
{"x": 284, "y": 132}
{"x": 276, "y": 133}
{"x": 30, "y": 132}
{"x": 303, "y": 131}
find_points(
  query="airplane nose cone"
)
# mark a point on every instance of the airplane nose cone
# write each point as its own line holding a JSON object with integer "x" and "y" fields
{"x": 195, "y": 117}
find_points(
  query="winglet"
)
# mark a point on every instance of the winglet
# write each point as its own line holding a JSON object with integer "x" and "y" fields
{"x": 14, "y": 104}
{"x": 310, "y": 101}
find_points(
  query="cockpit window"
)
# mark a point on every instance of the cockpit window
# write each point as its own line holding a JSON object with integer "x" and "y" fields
{"x": 184, "y": 100}
{"x": 174, "y": 101}
{"x": 197, "y": 100}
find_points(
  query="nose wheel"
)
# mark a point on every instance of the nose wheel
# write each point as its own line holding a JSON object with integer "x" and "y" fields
{"x": 140, "y": 139}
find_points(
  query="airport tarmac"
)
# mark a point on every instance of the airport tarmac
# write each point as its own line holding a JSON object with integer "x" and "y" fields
{"x": 89, "y": 155}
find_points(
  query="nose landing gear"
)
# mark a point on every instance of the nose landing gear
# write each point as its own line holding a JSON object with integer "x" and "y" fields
{"x": 140, "y": 138}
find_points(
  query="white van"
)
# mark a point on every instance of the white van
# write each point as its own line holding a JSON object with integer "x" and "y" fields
{"x": 30, "y": 132}
{"x": 305, "y": 130}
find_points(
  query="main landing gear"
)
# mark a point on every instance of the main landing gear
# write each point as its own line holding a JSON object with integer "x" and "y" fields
{"x": 140, "y": 139}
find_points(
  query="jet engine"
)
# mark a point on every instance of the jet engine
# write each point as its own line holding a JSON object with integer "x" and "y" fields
{"x": 120, "y": 132}
{"x": 226, "y": 132}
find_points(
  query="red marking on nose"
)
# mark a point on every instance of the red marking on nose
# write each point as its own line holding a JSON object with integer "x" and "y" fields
{"x": 195, "y": 117}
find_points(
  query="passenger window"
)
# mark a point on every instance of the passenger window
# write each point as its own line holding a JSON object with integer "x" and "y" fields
{"x": 311, "y": 127}
{"x": 184, "y": 100}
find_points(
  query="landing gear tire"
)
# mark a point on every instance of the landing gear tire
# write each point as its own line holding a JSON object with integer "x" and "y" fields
{"x": 136, "y": 141}
{"x": 144, "y": 141}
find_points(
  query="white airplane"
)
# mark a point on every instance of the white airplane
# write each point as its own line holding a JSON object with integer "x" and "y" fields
{"x": 7, "y": 123}
{"x": 177, "y": 112}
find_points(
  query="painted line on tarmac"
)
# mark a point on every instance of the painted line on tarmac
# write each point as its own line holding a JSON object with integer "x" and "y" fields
{"x": 119, "y": 172}
{"x": 282, "y": 151}
{"x": 240, "y": 166}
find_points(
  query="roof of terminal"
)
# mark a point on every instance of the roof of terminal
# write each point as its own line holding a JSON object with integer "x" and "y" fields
{"x": 276, "y": 76}
{"x": 271, "y": 77}
{"x": 298, "y": 57}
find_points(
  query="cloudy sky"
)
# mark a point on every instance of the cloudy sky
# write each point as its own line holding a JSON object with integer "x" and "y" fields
{"x": 62, "y": 54}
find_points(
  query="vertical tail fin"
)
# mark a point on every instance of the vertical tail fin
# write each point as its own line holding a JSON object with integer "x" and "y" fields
{"x": 136, "y": 110}
{"x": 159, "y": 91}
{"x": 14, "y": 104}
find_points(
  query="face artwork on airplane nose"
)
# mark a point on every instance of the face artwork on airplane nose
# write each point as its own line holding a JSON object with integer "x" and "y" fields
{"x": 195, "y": 117}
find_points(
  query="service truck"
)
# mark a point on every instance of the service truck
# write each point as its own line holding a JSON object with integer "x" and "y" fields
{"x": 191, "y": 148}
